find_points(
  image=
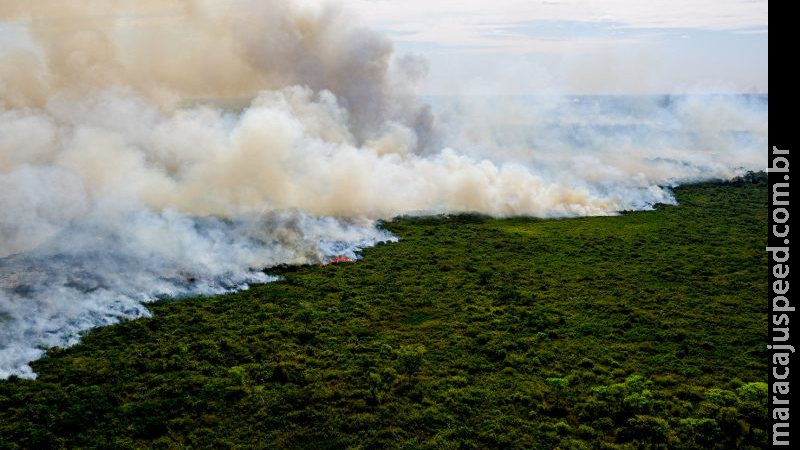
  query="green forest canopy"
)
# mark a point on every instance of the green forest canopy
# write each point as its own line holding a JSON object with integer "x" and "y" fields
{"x": 642, "y": 330}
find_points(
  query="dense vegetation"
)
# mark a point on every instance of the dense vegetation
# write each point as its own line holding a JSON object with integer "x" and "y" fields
{"x": 644, "y": 330}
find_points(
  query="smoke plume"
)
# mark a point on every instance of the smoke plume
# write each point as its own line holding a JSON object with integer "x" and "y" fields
{"x": 174, "y": 147}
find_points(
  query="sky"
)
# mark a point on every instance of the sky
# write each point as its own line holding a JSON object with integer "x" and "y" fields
{"x": 579, "y": 46}
{"x": 166, "y": 147}
{"x": 518, "y": 47}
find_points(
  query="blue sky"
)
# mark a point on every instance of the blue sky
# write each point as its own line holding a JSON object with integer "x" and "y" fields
{"x": 610, "y": 46}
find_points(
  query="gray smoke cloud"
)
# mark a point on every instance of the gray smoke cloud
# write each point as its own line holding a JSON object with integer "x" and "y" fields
{"x": 178, "y": 147}
{"x": 103, "y": 268}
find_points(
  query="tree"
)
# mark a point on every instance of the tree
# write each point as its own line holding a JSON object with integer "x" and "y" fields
{"x": 653, "y": 430}
{"x": 410, "y": 358}
{"x": 559, "y": 385}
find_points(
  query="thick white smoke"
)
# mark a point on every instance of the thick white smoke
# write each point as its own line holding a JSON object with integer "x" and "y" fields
{"x": 103, "y": 267}
{"x": 163, "y": 148}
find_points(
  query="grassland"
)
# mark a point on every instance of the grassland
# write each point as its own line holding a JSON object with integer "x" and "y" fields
{"x": 644, "y": 330}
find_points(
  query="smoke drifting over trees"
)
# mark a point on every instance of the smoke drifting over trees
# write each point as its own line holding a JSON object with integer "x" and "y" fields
{"x": 123, "y": 177}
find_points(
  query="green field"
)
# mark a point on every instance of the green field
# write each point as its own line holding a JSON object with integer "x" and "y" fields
{"x": 644, "y": 330}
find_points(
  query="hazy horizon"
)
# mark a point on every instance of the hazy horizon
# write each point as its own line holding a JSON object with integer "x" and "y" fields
{"x": 119, "y": 186}
{"x": 520, "y": 47}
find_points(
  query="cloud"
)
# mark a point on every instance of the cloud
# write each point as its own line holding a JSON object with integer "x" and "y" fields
{"x": 467, "y": 40}
{"x": 459, "y": 25}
